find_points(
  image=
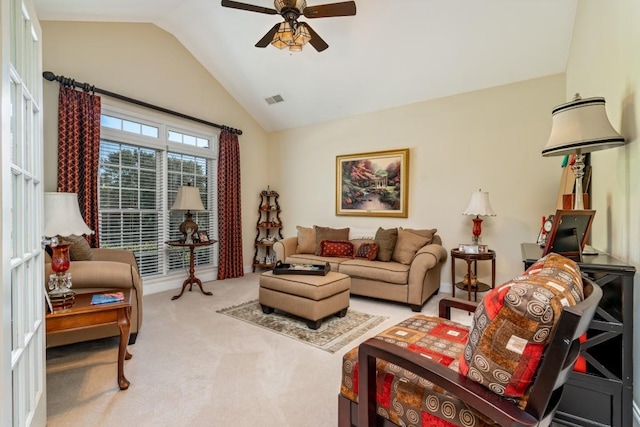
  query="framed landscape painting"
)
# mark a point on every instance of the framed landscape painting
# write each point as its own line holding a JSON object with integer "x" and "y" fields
{"x": 373, "y": 184}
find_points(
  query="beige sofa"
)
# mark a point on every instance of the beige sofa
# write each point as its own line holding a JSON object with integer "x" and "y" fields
{"x": 412, "y": 283}
{"x": 109, "y": 269}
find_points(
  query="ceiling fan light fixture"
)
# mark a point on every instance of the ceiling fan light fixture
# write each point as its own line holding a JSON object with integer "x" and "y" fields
{"x": 302, "y": 35}
{"x": 279, "y": 43}
{"x": 297, "y": 4}
{"x": 285, "y": 32}
{"x": 295, "y": 47}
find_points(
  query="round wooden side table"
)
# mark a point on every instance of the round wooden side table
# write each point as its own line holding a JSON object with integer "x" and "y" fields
{"x": 192, "y": 279}
{"x": 490, "y": 255}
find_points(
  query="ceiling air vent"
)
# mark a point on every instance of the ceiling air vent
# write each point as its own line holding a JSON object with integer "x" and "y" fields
{"x": 274, "y": 99}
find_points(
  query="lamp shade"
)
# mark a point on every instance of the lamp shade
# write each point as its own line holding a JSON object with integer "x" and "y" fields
{"x": 62, "y": 215}
{"x": 302, "y": 35}
{"x": 479, "y": 204}
{"x": 188, "y": 199}
{"x": 581, "y": 126}
{"x": 285, "y": 4}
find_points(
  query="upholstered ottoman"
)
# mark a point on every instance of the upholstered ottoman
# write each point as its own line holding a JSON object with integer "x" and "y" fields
{"x": 310, "y": 297}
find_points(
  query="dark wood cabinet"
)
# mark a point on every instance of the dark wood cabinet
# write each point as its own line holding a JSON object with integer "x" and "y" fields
{"x": 603, "y": 395}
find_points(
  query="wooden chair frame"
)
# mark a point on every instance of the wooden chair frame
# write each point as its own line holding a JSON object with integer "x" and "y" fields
{"x": 554, "y": 370}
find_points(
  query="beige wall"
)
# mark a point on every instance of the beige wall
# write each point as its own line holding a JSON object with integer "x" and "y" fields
{"x": 489, "y": 139}
{"x": 605, "y": 61}
{"x": 144, "y": 62}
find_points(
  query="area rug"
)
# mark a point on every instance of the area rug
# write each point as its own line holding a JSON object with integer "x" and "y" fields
{"x": 332, "y": 335}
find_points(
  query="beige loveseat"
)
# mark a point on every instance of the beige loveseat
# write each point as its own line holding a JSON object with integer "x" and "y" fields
{"x": 108, "y": 269}
{"x": 412, "y": 281}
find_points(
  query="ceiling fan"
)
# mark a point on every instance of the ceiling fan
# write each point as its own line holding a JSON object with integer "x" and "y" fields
{"x": 291, "y": 33}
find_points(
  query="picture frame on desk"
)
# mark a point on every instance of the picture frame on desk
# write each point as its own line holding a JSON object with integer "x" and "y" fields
{"x": 203, "y": 236}
{"x": 470, "y": 249}
{"x": 569, "y": 233}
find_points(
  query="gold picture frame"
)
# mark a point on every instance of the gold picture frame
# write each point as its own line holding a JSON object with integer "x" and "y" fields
{"x": 373, "y": 184}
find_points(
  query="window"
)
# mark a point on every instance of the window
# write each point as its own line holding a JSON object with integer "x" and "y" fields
{"x": 142, "y": 164}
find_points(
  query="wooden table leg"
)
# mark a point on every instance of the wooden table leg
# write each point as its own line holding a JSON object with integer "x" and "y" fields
{"x": 453, "y": 276}
{"x": 493, "y": 273}
{"x": 469, "y": 281}
{"x": 124, "y": 324}
{"x": 192, "y": 279}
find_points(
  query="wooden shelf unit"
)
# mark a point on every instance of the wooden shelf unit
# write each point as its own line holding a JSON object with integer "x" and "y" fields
{"x": 269, "y": 230}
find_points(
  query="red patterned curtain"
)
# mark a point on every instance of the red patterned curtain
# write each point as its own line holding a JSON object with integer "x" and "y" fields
{"x": 79, "y": 150}
{"x": 229, "y": 209}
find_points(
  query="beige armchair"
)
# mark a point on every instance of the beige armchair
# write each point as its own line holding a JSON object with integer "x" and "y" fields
{"x": 109, "y": 269}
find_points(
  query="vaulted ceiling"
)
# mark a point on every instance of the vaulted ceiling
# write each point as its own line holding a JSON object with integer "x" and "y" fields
{"x": 391, "y": 53}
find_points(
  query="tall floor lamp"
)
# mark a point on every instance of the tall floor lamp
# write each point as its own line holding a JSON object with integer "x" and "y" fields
{"x": 579, "y": 127}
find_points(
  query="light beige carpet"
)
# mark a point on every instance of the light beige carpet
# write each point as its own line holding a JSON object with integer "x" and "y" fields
{"x": 192, "y": 366}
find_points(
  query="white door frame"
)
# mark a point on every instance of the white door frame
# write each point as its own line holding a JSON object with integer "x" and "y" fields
{"x": 22, "y": 328}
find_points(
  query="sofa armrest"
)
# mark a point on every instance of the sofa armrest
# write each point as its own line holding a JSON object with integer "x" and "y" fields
{"x": 438, "y": 252}
{"x": 285, "y": 247}
{"x": 124, "y": 256}
{"x": 424, "y": 273}
{"x": 99, "y": 274}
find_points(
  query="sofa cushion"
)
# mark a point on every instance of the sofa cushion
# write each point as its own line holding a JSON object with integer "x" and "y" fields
{"x": 407, "y": 245}
{"x": 336, "y": 248}
{"x": 79, "y": 249}
{"x": 368, "y": 251}
{"x": 427, "y": 232}
{"x": 513, "y": 324}
{"x": 306, "y": 240}
{"x": 390, "y": 272}
{"x": 327, "y": 233}
{"x": 386, "y": 240}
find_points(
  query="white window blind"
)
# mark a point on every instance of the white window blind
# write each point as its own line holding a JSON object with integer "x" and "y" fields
{"x": 140, "y": 172}
{"x": 130, "y": 202}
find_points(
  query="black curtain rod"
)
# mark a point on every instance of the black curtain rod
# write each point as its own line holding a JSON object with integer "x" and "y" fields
{"x": 48, "y": 75}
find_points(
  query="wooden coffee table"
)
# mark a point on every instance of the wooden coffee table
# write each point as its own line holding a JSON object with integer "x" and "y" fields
{"x": 83, "y": 315}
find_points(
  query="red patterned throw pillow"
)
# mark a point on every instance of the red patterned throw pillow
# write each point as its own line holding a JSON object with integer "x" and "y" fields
{"x": 514, "y": 322}
{"x": 336, "y": 248}
{"x": 368, "y": 251}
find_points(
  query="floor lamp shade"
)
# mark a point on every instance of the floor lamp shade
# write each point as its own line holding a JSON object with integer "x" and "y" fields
{"x": 579, "y": 127}
{"x": 62, "y": 215}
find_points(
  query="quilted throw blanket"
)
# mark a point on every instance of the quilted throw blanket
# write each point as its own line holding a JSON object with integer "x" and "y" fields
{"x": 501, "y": 350}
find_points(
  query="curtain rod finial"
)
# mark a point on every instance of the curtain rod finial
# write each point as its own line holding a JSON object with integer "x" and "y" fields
{"x": 49, "y": 75}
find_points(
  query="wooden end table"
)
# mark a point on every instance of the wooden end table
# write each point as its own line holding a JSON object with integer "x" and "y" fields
{"x": 490, "y": 255}
{"x": 192, "y": 279}
{"x": 83, "y": 315}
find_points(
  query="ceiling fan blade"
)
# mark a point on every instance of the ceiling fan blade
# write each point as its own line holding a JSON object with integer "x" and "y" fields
{"x": 268, "y": 38}
{"x": 347, "y": 8}
{"x": 249, "y": 7}
{"x": 316, "y": 41}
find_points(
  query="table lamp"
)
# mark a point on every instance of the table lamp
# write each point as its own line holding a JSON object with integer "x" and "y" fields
{"x": 578, "y": 127}
{"x": 479, "y": 205}
{"x": 61, "y": 218}
{"x": 188, "y": 199}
